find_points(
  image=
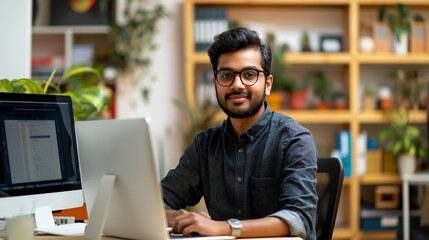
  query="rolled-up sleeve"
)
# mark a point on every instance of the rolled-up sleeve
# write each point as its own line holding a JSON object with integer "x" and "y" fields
{"x": 298, "y": 197}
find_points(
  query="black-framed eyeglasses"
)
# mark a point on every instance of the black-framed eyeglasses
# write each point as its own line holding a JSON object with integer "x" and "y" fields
{"x": 248, "y": 77}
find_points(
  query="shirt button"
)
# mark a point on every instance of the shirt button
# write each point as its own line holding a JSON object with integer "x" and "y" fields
{"x": 240, "y": 150}
{"x": 239, "y": 211}
{"x": 251, "y": 137}
{"x": 239, "y": 179}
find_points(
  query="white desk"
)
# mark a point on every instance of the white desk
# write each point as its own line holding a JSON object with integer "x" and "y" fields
{"x": 407, "y": 179}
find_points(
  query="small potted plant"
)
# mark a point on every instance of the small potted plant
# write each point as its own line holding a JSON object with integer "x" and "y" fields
{"x": 322, "y": 87}
{"x": 403, "y": 140}
{"x": 297, "y": 92}
{"x": 368, "y": 98}
{"x": 279, "y": 68}
{"x": 339, "y": 100}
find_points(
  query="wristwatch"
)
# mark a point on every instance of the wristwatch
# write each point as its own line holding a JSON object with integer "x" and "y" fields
{"x": 235, "y": 227}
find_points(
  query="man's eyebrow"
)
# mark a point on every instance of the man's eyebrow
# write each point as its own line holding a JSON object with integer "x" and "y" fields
{"x": 246, "y": 68}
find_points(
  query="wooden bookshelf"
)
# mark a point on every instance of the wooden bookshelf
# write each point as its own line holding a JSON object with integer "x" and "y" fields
{"x": 350, "y": 61}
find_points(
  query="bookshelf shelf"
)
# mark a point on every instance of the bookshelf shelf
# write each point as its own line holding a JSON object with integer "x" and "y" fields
{"x": 380, "y": 117}
{"x": 381, "y": 179}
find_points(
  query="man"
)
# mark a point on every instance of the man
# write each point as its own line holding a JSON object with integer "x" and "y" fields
{"x": 256, "y": 171}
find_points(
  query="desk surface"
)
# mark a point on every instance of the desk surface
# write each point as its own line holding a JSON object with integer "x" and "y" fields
{"x": 50, "y": 237}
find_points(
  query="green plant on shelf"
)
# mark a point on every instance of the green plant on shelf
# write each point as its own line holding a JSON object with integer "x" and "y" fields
{"x": 88, "y": 97}
{"x": 402, "y": 137}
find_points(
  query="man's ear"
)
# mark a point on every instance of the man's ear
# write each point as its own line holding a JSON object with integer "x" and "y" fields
{"x": 214, "y": 81}
{"x": 268, "y": 85}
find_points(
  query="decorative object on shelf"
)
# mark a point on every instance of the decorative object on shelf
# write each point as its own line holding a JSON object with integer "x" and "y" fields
{"x": 331, "y": 43}
{"x": 418, "y": 35}
{"x": 133, "y": 41}
{"x": 381, "y": 32}
{"x": 373, "y": 158}
{"x": 366, "y": 44}
{"x": 408, "y": 88}
{"x": 85, "y": 12}
{"x": 339, "y": 99}
{"x": 305, "y": 42}
{"x": 368, "y": 98}
{"x": 386, "y": 197}
{"x": 382, "y": 37}
{"x": 88, "y": 95}
{"x": 404, "y": 140}
{"x": 322, "y": 87}
{"x": 279, "y": 68}
{"x": 386, "y": 99}
{"x": 400, "y": 27}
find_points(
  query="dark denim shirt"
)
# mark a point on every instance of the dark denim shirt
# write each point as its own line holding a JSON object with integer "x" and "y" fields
{"x": 270, "y": 170}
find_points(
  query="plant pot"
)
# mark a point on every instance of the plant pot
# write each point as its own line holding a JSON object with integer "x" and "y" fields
{"x": 386, "y": 103}
{"x": 322, "y": 105}
{"x": 401, "y": 47}
{"x": 369, "y": 103}
{"x": 340, "y": 105}
{"x": 275, "y": 100}
{"x": 406, "y": 164}
{"x": 298, "y": 99}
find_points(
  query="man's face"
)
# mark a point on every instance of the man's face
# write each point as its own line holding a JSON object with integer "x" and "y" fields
{"x": 239, "y": 100}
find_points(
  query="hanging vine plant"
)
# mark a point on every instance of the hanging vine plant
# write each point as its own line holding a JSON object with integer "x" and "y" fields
{"x": 132, "y": 38}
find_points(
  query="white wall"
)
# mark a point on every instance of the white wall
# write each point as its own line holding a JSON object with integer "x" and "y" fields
{"x": 15, "y": 55}
{"x": 167, "y": 67}
{"x": 15, "y": 39}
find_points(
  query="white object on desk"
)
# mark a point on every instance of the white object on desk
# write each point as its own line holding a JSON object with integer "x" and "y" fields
{"x": 407, "y": 179}
{"x": 45, "y": 224}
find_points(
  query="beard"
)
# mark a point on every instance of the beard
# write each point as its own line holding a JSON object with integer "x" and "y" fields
{"x": 254, "y": 107}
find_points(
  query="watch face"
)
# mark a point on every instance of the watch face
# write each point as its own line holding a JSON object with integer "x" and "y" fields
{"x": 235, "y": 223}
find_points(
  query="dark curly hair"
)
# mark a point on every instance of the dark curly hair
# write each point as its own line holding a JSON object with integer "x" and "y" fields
{"x": 236, "y": 39}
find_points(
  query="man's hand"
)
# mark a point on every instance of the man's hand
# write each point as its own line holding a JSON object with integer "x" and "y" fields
{"x": 189, "y": 223}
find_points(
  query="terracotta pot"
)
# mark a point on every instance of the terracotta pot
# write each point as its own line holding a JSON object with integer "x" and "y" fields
{"x": 386, "y": 103}
{"x": 340, "y": 105}
{"x": 275, "y": 100}
{"x": 322, "y": 105}
{"x": 298, "y": 99}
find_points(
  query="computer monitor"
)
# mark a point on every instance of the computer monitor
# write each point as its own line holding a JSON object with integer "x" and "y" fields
{"x": 39, "y": 164}
{"x": 122, "y": 148}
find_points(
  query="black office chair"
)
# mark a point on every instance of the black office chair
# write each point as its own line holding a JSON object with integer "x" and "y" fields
{"x": 330, "y": 175}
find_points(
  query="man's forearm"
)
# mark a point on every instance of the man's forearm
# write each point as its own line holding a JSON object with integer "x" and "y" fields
{"x": 264, "y": 227}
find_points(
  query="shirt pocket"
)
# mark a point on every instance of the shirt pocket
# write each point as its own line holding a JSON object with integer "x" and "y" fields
{"x": 264, "y": 195}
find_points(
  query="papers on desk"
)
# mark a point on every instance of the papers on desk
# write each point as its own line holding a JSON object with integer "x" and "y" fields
{"x": 180, "y": 236}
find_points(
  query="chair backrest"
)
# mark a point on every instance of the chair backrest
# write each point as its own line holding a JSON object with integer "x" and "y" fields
{"x": 330, "y": 175}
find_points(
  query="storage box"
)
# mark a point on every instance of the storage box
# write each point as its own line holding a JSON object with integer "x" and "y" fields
{"x": 376, "y": 219}
{"x": 386, "y": 197}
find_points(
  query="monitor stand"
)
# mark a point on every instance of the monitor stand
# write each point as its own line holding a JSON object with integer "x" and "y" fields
{"x": 98, "y": 215}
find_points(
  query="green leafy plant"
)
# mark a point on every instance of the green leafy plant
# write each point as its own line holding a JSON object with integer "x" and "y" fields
{"x": 133, "y": 38}
{"x": 402, "y": 137}
{"x": 322, "y": 86}
{"x": 198, "y": 117}
{"x": 398, "y": 23}
{"x": 86, "y": 99}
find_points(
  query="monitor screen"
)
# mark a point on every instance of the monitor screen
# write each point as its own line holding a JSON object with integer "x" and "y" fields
{"x": 38, "y": 155}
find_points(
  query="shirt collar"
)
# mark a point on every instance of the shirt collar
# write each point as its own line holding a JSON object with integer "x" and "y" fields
{"x": 256, "y": 129}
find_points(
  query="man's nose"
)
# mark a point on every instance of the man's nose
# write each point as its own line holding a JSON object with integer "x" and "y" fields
{"x": 237, "y": 81}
